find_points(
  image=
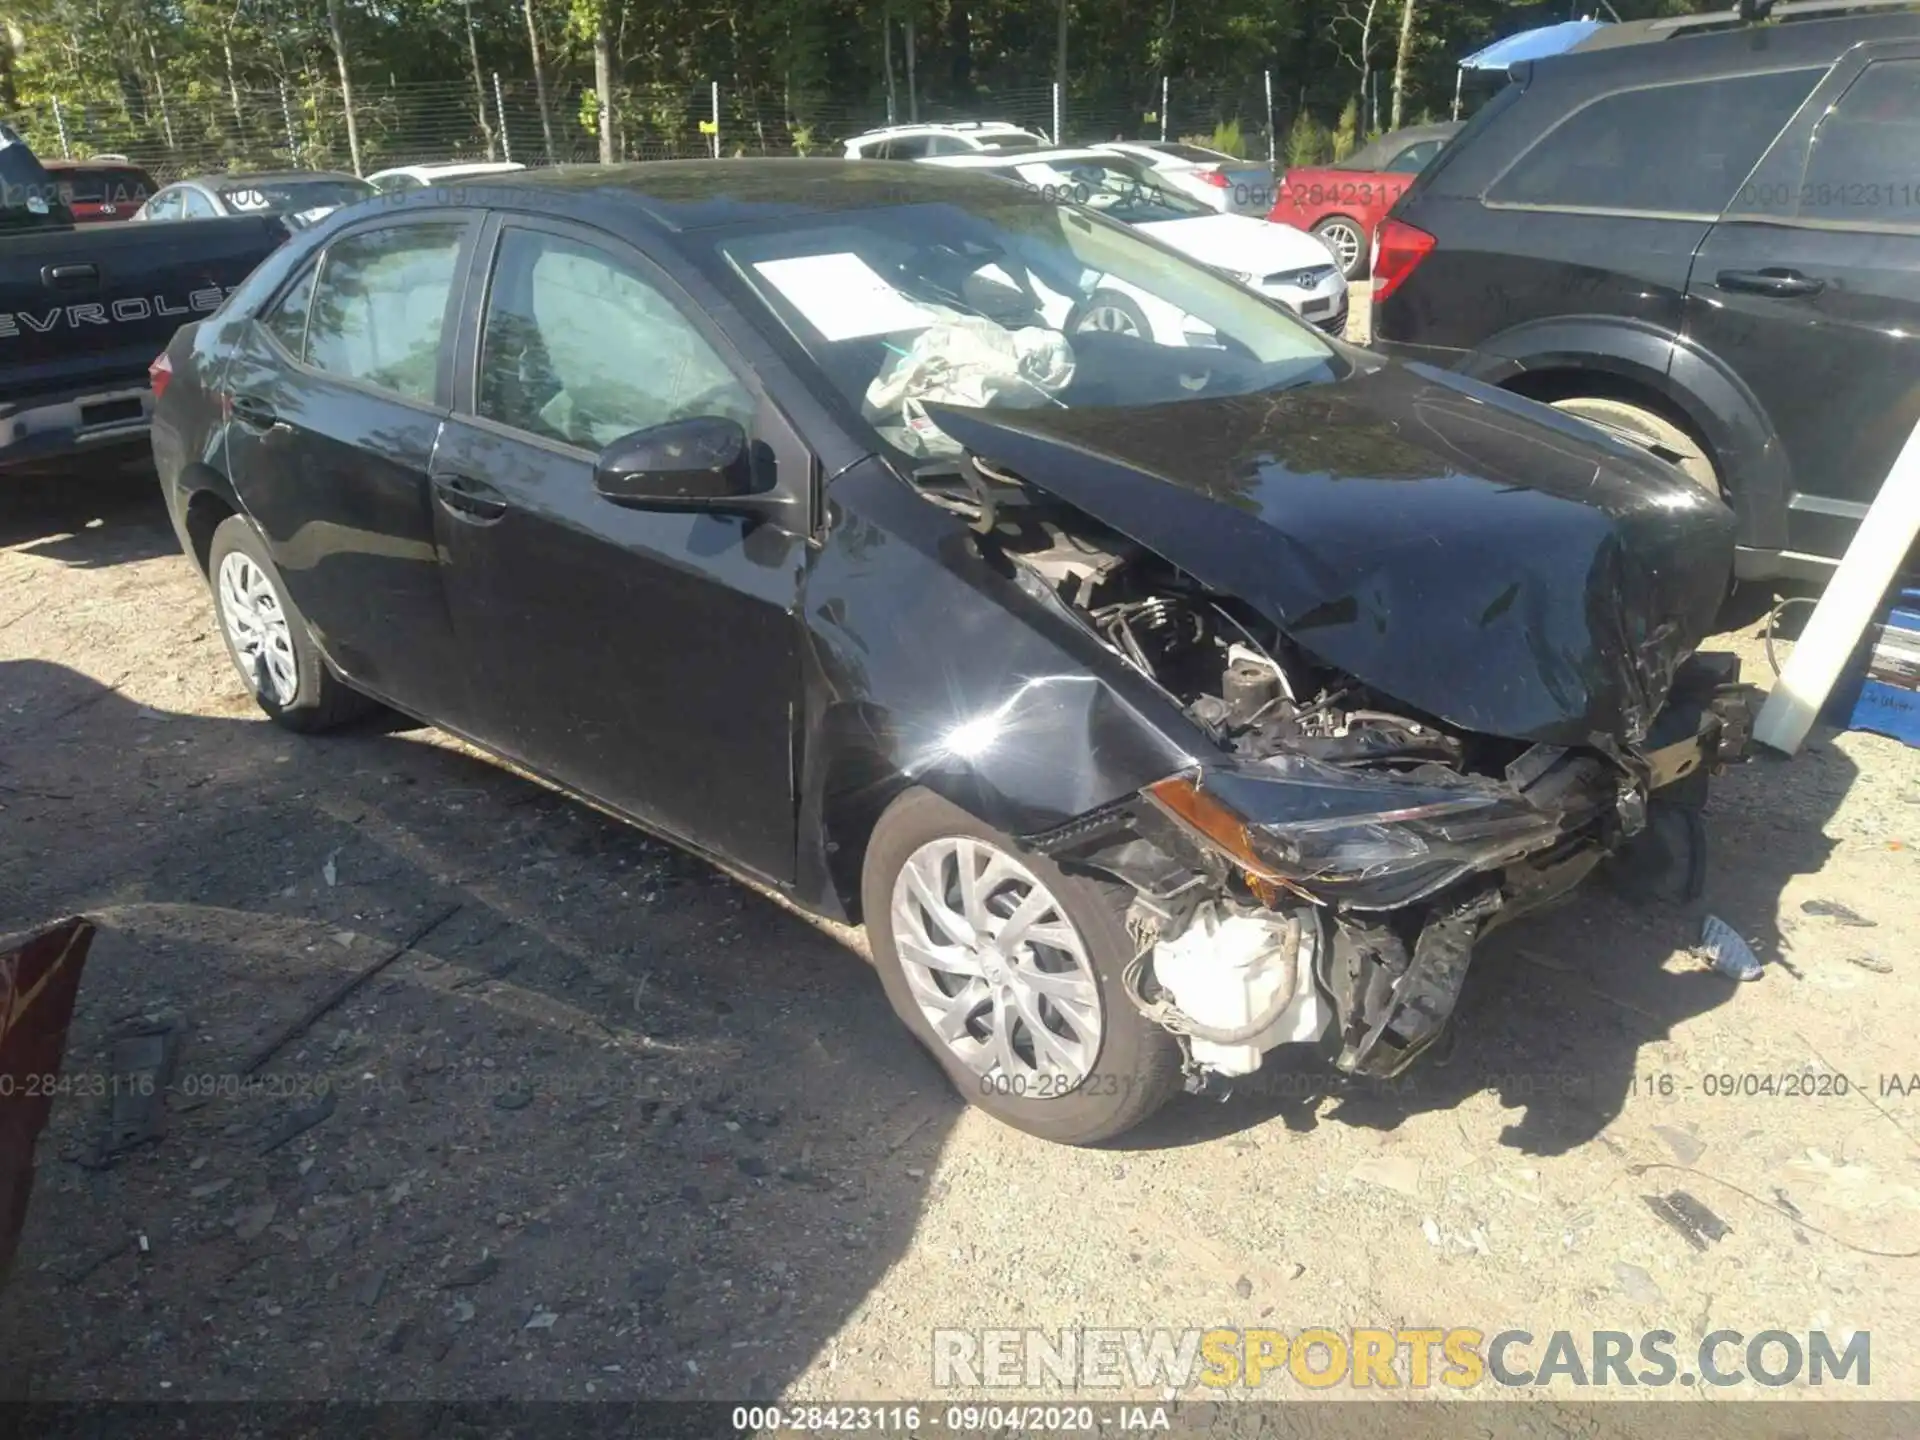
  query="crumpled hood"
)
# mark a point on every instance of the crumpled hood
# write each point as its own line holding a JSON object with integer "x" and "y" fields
{"x": 1495, "y": 564}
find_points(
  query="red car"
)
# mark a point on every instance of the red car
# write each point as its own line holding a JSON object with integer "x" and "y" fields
{"x": 101, "y": 191}
{"x": 1344, "y": 203}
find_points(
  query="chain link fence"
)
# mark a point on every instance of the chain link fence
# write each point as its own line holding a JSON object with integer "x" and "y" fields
{"x": 214, "y": 127}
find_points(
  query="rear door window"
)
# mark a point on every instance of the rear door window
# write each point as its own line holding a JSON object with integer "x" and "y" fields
{"x": 1862, "y": 164}
{"x": 1413, "y": 159}
{"x": 287, "y": 321}
{"x": 380, "y": 307}
{"x": 1679, "y": 149}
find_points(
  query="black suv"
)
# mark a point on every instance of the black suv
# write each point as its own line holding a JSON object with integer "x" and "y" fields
{"x": 1703, "y": 233}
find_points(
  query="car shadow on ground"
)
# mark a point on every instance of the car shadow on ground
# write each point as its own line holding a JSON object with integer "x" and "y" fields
{"x": 88, "y": 517}
{"x": 614, "y": 1125}
{"x": 614, "y": 1120}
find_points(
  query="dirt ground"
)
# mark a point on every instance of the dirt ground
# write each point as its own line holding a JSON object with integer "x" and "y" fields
{"x": 617, "y": 1126}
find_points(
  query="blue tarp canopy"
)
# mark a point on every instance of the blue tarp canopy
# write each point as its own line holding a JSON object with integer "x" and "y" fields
{"x": 1532, "y": 45}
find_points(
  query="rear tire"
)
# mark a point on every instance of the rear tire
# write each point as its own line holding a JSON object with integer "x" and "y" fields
{"x": 1643, "y": 427}
{"x": 1347, "y": 239}
{"x": 1101, "y": 1067}
{"x": 267, "y": 637}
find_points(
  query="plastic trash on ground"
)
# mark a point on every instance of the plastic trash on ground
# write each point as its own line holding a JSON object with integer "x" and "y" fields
{"x": 1727, "y": 952}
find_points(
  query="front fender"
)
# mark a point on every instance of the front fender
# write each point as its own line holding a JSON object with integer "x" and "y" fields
{"x": 925, "y": 665}
{"x": 1720, "y": 408}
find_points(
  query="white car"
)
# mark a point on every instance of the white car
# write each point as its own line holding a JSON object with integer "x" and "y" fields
{"x": 1278, "y": 261}
{"x": 301, "y": 196}
{"x": 418, "y": 177}
{"x": 918, "y": 142}
{"x": 1217, "y": 180}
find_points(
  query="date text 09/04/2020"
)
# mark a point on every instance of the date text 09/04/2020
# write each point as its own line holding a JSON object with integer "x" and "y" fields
{"x": 959, "y": 1419}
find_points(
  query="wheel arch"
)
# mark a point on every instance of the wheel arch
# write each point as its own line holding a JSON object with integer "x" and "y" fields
{"x": 850, "y": 782}
{"x": 209, "y": 501}
{"x": 1609, "y": 358}
{"x": 853, "y": 771}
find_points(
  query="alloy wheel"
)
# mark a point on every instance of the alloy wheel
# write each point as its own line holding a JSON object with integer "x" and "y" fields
{"x": 997, "y": 968}
{"x": 257, "y": 626}
{"x": 1111, "y": 319}
{"x": 1344, "y": 240}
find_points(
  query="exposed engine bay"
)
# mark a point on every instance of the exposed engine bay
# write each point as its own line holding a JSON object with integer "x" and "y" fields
{"x": 1330, "y": 877}
{"x": 1233, "y": 673}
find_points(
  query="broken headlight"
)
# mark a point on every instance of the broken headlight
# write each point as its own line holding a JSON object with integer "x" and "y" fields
{"x": 1368, "y": 841}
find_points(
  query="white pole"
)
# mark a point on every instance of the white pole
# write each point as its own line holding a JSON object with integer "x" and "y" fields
{"x": 1459, "y": 79}
{"x": 286, "y": 114}
{"x": 1056, "y": 112}
{"x": 500, "y": 108}
{"x": 1872, "y": 561}
{"x": 1273, "y": 141}
{"x": 1163, "y": 109}
{"x": 716, "y": 119}
{"x": 61, "y": 121}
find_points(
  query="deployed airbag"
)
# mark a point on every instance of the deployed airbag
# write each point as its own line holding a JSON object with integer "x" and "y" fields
{"x": 968, "y": 361}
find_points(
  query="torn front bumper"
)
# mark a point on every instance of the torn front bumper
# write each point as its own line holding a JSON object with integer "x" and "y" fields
{"x": 1404, "y": 874}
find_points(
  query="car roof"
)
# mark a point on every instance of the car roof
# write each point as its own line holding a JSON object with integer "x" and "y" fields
{"x": 451, "y": 167}
{"x": 945, "y": 127}
{"x": 1158, "y": 146}
{"x": 686, "y": 195}
{"x": 262, "y": 177}
{"x": 1379, "y": 152}
{"x": 67, "y": 165}
{"x": 1437, "y": 130}
{"x": 1721, "y": 22}
{"x": 1014, "y": 157}
{"x": 1662, "y": 51}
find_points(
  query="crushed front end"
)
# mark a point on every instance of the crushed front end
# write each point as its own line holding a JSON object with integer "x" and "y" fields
{"x": 1331, "y": 857}
{"x": 1438, "y": 651}
{"x": 1292, "y": 898}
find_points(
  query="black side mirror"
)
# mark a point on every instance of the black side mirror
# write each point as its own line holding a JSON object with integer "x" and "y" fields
{"x": 705, "y": 463}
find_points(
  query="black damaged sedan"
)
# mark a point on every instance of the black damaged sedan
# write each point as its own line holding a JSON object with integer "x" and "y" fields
{"x": 1156, "y": 695}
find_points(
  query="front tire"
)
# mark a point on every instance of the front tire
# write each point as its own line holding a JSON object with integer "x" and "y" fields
{"x": 1638, "y": 426}
{"x": 267, "y": 638}
{"x": 1008, "y": 970}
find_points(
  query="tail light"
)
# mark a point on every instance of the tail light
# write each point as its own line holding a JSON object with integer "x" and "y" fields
{"x": 159, "y": 373}
{"x": 1216, "y": 178}
{"x": 1398, "y": 249}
